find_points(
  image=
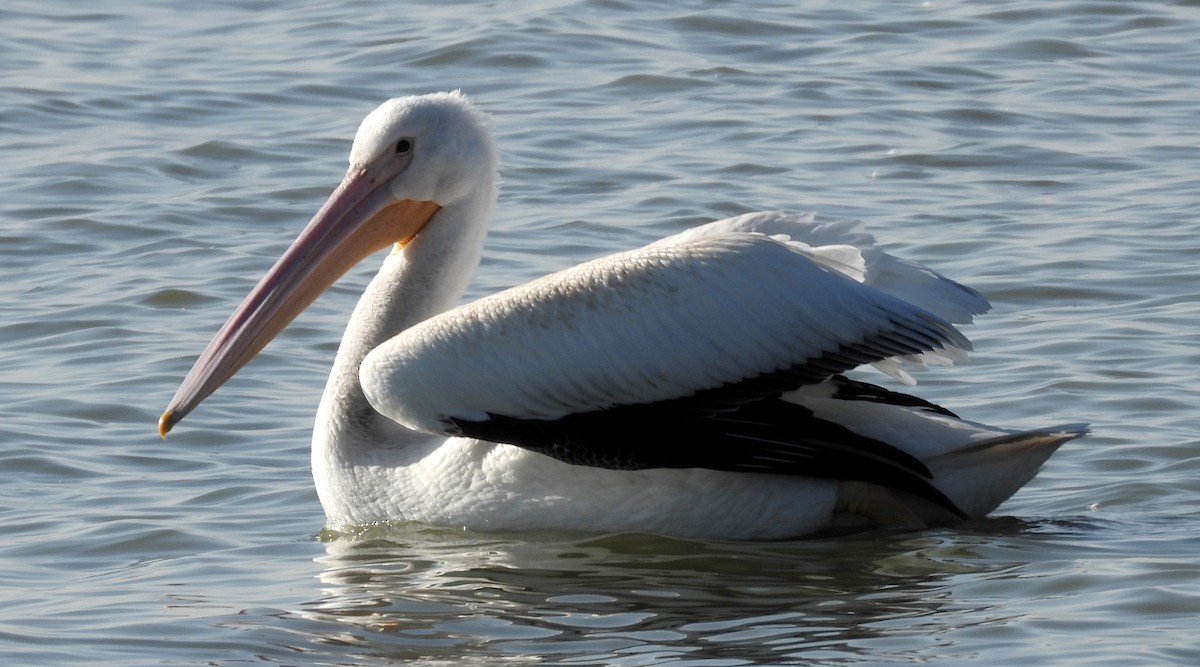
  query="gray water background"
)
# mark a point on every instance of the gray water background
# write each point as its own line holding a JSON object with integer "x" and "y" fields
{"x": 156, "y": 157}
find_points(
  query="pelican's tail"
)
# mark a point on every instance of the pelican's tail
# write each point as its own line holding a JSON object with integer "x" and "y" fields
{"x": 974, "y": 465}
{"x": 984, "y": 473}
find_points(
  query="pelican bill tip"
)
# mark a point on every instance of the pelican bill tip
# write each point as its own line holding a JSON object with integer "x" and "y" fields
{"x": 165, "y": 422}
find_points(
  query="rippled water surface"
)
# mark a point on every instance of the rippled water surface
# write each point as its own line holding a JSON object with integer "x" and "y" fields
{"x": 156, "y": 157}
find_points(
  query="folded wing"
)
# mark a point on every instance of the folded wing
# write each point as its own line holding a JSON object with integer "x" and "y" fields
{"x": 676, "y": 354}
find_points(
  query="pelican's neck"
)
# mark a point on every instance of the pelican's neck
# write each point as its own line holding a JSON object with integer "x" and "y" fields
{"x": 423, "y": 279}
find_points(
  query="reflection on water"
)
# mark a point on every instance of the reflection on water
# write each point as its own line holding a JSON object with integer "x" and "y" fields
{"x": 413, "y": 592}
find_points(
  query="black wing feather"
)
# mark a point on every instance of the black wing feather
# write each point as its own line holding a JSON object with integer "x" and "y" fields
{"x": 764, "y": 436}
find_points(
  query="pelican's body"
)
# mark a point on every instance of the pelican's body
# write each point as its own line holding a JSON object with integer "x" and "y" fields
{"x": 692, "y": 387}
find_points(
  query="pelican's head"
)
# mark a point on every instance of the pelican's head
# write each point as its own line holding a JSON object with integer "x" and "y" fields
{"x": 412, "y": 157}
{"x": 439, "y": 143}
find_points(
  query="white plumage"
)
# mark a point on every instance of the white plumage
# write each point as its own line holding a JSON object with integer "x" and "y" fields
{"x": 705, "y": 311}
{"x": 690, "y": 387}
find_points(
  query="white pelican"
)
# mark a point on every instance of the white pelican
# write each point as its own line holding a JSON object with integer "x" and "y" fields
{"x": 692, "y": 387}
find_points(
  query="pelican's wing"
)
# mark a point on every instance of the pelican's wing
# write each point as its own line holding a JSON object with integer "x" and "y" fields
{"x": 711, "y": 314}
{"x": 662, "y": 336}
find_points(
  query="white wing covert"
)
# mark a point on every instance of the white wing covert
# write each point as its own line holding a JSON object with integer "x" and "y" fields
{"x": 705, "y": 311}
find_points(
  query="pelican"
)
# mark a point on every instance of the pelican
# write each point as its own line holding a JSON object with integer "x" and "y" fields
{"x": 694, "y": 387}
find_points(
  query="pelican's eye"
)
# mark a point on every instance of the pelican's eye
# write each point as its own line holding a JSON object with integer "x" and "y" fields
{"x": 404, "y": 146}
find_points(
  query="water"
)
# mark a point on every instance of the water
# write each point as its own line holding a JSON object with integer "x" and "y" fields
{"x": 157, "y": 158}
